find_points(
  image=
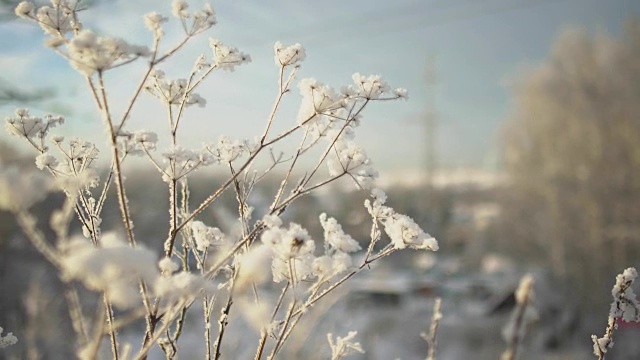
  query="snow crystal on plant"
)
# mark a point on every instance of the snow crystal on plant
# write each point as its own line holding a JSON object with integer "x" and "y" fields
{"x": 227, "y": 150}
{"x": 293, "y": 252}
{"x": 253, "y": 265}
{"x": 182, "y": 162}
{"x": 227, "y": 58}
{"x": 172, "y": 92}
{"x": 289, "y": 55}
{"x": 181, "y": 286}
{"x": 179, "y": 9}
{"x": 628, "y": 309}
{"x": 90, "y": 53}
{"x": 272, "y": 221}
{"x": 7, "y": 340}
{"x": 205, "y": 236}
{"x": 115, "y": 268}
{"x": 54, "y": 20}
{"x": 20, "y": 190}
{"x": 317, "y": 99}
{"x": 336, "y": 237}
{"x": 168, "y": 266}
{"x": 344, "y": 346}
{"x": 46, "y": 160}
{"x": 404, "y": 232}
{"x": 369, "y": 87}
{"x": 153, "y": 21}
{"x": 24, "y": 8}
{"x": 25, "y": 125}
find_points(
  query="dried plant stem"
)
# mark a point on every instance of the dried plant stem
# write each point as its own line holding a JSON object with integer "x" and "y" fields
{"x": 75, "y": 314}
{"x": 431, "y": 338}
{"x": 523, "y": 298}
{"x": 222, "y": 325}
{"x": 112, "y": 333}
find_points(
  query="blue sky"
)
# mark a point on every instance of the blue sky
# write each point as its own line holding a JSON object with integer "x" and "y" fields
{"x": 478, "y": 46}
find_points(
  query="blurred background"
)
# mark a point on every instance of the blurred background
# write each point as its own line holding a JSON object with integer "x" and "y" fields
{"x": 519, "y": 150}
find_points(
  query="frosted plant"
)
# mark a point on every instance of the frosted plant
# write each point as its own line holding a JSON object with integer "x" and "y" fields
{"x": 625, "y": 306}
{"x": 7, "y": 340}
{"x": 344, "y": 346}
{"x": 235, "y": 271}
{"x": 523, "y": 314}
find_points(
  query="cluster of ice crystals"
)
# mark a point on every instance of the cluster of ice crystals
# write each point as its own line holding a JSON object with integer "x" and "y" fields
{"x": 76, "y": 168}
{"x": 369, "y": 87}
{"x": 201, "y": 19}
{"x": 317, "y": 99}
{"x": 168, "y": 266}
{"x": 115, "y": 268}
{"x": 625, "y": 306}
{"x": 290, "y": 55}
{"x": 272, "y": 221}
{"x": 205, "y": 236}
{"x": 153, "y": 21}
{"x": 56, "y": 20}
{"x": 31, "y": 127}
{"x": 89, "y": 53}
{"x": 172, "y": 92}
{"x": 293, "y": 252}
{"x": 401, "y": 229}
{"x": 227, "y": 58}
{"x": 344, "y": 346}
{"x": 335, "y": 237}
{"x": 181, "y": 286}
{"x": 181, "y": 162}
{"x": 7, "y": 340}
{"x": 352, "y": 159}
{"x": 401, "y": 93}
{"x": 253, "y": 265}
{"x": 136, "y": 143}
{"x": 227, "y": 150}
{"x": 19, "y": 190}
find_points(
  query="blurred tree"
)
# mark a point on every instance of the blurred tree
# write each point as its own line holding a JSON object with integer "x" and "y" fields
{"x": 572, "y": 153}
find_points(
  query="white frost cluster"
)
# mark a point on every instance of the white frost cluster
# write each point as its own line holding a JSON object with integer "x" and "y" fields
{"x": 181, "y": 162}
{"x": 201, "y": 20}
{"x": 317, "y": 99}
{"x": 225, "y": 57}
{"x": 7, "y": 340}
{"x": 31, "y": 127}
{"x": 56, "y": 21}
{"x": 401, "y": 229}
{"x": 205, "y": 236}
{"x": 115, "y": 268}
{"x": 344, "y": 346}
{"x": 625, "y": 306}
{"x": 153, "y": 21}
{"x": 182, "y": 286}
{"x": 20, "y": 190}
{"x": 136, "y": 143}
{"x": 335, "y": 237}
{"x": 293, "y": 252}
{"x": 351, "y": 158}
{"x": 89, "y": 53}
{"x": 75, "y": 168}
{"x": 227, "y": 150}
{"x": 289, "y": 55}
{"x": 368, "y": 87}
{"x": 172, "y": 92}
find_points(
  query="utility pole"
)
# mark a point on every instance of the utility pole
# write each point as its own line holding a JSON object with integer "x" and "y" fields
{"x": 430, "y": 122}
